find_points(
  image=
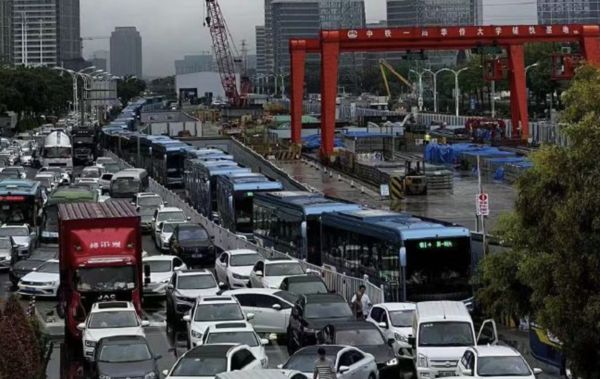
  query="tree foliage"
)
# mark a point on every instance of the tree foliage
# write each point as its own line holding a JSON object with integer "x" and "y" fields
{"x": 552, "y": 273}
{"x": 129, "y": 88}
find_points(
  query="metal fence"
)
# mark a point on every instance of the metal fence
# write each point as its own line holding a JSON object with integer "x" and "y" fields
{"x": 339, "y": 282}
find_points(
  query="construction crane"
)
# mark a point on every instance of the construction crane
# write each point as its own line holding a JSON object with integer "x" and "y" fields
{"x": 222, "y": 46}
{"x": 383, "y": 65}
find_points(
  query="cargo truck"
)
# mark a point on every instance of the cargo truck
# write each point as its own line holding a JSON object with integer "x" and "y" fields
{"x": 100, "y": 251}
{"x": 84, "y": 145}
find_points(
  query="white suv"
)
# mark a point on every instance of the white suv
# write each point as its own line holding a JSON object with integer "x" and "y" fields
{"x": 212, "y": 310}
{"x": 166, "y": 214}
{"x": 239, "y": 333}
{"x": 108, "y": 319}
{"x": 233, "y": 267}
{"x": 269, "y": 273}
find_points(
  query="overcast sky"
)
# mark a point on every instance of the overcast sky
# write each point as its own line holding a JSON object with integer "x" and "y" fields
{"x": 173, "y": 28}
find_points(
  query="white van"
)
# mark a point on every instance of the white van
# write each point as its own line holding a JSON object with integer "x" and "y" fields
{"x": 442, "y": 331}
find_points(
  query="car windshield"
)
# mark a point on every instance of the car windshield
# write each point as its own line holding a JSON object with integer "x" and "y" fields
{"x": 301, "y": 362}
{"x": 200, "y": 366}
{"x": 90, "y": 173}
{"x": 159, "y": 266}
{"x": 149, "y": 201}
{"x": 283, "y": 269}
{"x": 125, "y": 353}
{"x": 242, "y": 338}
{"x": 193, "y": 233}
{"x": 219, "y": 312}
{"x": 168, "y": 228}
{"x": 171, "y": 216}
{"x": 328, "y": 310}
{"x": 244, "y": 260}
{"x": 5, "y": 243}
{"x": 355, "y": 337}
{"x": 112, "y": 167}
{"x": 125, "y": 185}
{"x": 446, "y": 334}
{"x": 9, "y": 175}
{"x": 402, "y": 319}
{"x": 49, "y": 268}
{"x": 304, "y": 288}
{"x": 196, "y": 282}
{"x": 14, "y": 231}
{"x": 102, "y": 279}
{"x": 502, "y": 366}
{"x": 113, "y": 319}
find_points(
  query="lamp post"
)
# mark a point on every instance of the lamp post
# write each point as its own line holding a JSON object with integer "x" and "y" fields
{"x": 420, "y": 76}
{"x": 533, "y": 65}
{"x": 456, "y": 86}
{"x": 75, "y": 89}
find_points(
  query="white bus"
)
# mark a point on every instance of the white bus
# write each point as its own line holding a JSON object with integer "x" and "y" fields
{"x": 58, "y": 151}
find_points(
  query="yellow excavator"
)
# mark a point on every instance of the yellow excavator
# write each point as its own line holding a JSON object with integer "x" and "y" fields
{"x": 383, "y": 66}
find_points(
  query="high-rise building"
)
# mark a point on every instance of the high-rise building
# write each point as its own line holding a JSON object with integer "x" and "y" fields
{"x": 568, "y": 11}
{"x": 403, "y": 13}
{"x": 269, "y": 53}
{"x": 195, "y": 63}
{"x": 126, "y": 51}
{"x": 35, "y": 35}
{"x": 69, "y": 32}
{"x": 5, "y": 31}
{"x": 261, "y": 50}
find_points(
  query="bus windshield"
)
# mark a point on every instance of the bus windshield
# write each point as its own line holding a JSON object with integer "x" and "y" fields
{"x": 18, "y": 211}
{"x": 57, "y": 152}
{"x": 243, "y": 212}
{"x": 102, "y": 279}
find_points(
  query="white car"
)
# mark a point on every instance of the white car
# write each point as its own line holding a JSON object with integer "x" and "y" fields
{"x": 24, "y": 237}
{"x": 27, "y": 160}
{"x": 211, "y": 310}
{"x": 239, "y": 333}
{"x": 271, "y": 308}
{"x": 349, "y": 362}
{"x": 165, "y": 232}
{"x": 233, "y": 267}
{"x": 269, "y": 273}
{"x": 93, "y": 172}
{"x": 43, "y": 282}
{"x": 185, "y": 287}
{"x": 65, "y": 178}
{"x": 166, "y": 214}
{"x": 161, "y": 269}
{"x": 108, "y": 319}
{"x": 394, "y": 320}
{"x": 50, "y": 180}
{"x": 494, "y": 362}
{"x": 104, "y": 181}
{"x": 206, "y": 361}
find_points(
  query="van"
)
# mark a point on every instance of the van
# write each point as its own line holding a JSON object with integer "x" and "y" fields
{"x": 442, "y": 331}
{"x": 127, "y": 183}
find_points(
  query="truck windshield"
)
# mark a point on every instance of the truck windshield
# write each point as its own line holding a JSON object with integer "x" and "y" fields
{"x": 57, "y": 152}
{"x": 102, "y": 279}
{"x": 446, "y": 334}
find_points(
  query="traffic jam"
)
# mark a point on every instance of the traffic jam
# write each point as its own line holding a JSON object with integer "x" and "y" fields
{"x": 89, "y": 237}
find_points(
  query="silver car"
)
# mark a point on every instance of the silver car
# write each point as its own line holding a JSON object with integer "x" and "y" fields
{"x": 6, "y": 252}
{"x": 24, "y": 237}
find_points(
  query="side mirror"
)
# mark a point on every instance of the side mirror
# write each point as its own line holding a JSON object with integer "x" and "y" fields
{"x": 81, "y": 326}
{"x": 187, "y": 318}
{"x": 467, "y": 372}
{"x": 537, "y": 371}
{"x": 382, "y": 325}
{"x": 145, "y": 323}
{"x": 277, "y": 307}
{"x": 343, "y": 369}
{"x": 391, "y": 342}
{"x": 264, "y": 341}
{"x": 259, "y": 274}
{"x": 250, "y": 316}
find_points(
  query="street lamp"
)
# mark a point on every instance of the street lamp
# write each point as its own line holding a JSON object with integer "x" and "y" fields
{"x": 75, "y": 89}
{"x": 456, "y": 85}
{"x": 420, "y": 76}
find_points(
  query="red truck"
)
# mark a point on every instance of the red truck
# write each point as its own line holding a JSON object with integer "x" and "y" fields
{"x": 100, "y": 253}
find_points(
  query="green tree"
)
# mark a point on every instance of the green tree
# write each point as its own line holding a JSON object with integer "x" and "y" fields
{"x": 129, "y": 88}
{"x": 552, "y": 274}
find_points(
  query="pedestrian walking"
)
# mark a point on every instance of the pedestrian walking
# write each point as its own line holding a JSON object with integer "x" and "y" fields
{"x": 324, "y": 367}
{"x": 361, "y": 304}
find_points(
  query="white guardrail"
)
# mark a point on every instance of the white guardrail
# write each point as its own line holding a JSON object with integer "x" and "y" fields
{"x": 226, "y": 240}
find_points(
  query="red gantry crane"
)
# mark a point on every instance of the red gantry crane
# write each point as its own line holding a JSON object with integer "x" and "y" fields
{"x": 226, "y": 63}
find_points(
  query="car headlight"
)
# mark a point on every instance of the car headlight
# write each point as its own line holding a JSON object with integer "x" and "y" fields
{"x": 400, "y": 338}
{"x": 150, "y": 375}
{"x": 51, "y": 284}
{"x": 90, "y": 343}
{"x": 392, "y": 362}
{"x": 196, "y": 334}
{"x": 236, "y": 276}
{"x": 422, "y": 361}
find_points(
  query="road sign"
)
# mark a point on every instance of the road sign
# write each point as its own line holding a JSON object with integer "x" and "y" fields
{"x": 384, "y": 190}
{"x": 482, "y": 202}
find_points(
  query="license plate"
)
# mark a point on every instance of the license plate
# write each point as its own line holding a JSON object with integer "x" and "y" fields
{"x": 443, "y": 374}
{"x": 197, "y": 255}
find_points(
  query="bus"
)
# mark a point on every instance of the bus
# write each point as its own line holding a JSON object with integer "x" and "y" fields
{"x": 235, "y": 199}
{"x": 63, "y": 195}
{"x": 127, "y": 183}
{"x": 21, "y": 202}
{"x": 167, "y": 162}
{"x": 290, "y": 221}
{"x": 416, "y": 259}
{"x": 58, "y": 151}
{"x": 203, "y": 188}
{"x": 146, "y": 149}
{"x": 194, "y": 156}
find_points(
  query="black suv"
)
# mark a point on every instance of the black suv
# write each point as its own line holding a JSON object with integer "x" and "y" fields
{"x": 193, "y": 245}
{"x": 310, "y": 314}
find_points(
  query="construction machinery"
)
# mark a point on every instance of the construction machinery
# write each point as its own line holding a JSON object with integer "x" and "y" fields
{"x": 383, "y": 66}
{"x": 415, "y": 180}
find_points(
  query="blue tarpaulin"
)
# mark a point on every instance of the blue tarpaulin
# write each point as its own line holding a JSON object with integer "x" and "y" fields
{"x": 313, "y": 142}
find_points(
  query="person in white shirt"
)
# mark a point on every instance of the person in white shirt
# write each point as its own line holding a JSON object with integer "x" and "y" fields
{"x": 361, "y": 304}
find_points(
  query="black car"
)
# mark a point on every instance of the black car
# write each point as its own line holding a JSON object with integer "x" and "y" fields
{"x": 38, "y": 257}
{"x": 125, "y": 357}
{"x": 192, "y": 244}
{"x": 310, "y": 314}
{"x": 304, "y": 285}
{"x": 367, "y": 337}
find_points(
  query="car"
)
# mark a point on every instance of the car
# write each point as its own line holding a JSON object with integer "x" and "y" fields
{"x": 145, "y": 203}
{"x": 233, "y": 267}
{"x": 50, "y": 180}
{"x": 108, "y": 319}
{"x": 304, "y": 284}
{"x": 19, "y": 171}
{"x": 192, "y": 243}
{"x": 368, "y": 338}
{"x": 160, "y": 269}
{"x": 90, "y": 183}
{"x": 92, "y": 172}
{"x": 239, "y": 333}
{"x": 42, "y": 282}
{"x": 494, "y": 362}
{"x": 112, "y": 167}
{"x": 394, "y": 320}
{"x": 7, "y": 252}
{"x": 125, "y": 357}
{"x": 206, "y": 361}
{"x": 20, "y": 268}
{"x": 27, "y": 159}
{"x": 166, "y": 214}
{"x": 65, "y": 178}
{"x": 310, "y": 314}
{"x": 104, "y": 182}
{"x": 262, "y": 374}
{"x": 269, "y": 273}
{"x": 24, "y": 237}
{"x": 349, "y": 362}
{"x": 271, "y": 308}
{"x": 165, "y": 232}
{"x": 101, "y": 161}
{"x": 183, "y": 289}
{"x": 211, "y": 310}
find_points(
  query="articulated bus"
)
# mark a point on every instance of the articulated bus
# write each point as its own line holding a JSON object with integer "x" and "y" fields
{"x": 21, "y": 202}
{"x": 63, "y": 195}
{"x": 235, "y": 199}
{"x": 291, "y": 221}
{"x": 146, "y": 150}
{"x": 167, "y": 162}
{"x": 416, "y": 259}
